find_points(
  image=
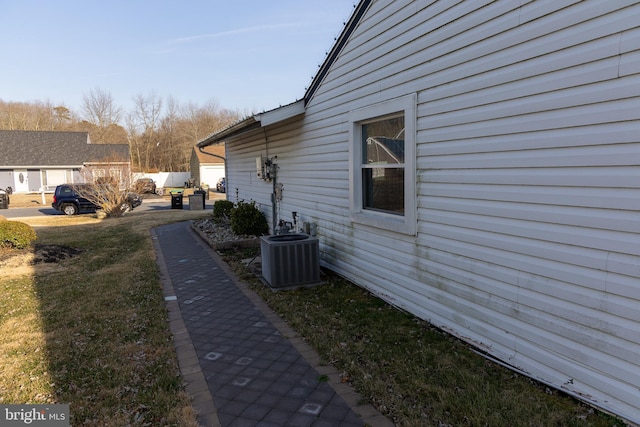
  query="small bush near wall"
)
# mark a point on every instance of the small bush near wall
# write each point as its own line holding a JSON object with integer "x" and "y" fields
{"x": 14, "y": 234}
{"x": 246, "y": 219}
{"x": 222, "y": 209}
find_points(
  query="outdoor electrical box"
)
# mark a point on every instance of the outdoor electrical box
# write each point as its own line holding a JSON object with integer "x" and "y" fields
{"x": 259, "y": 167}
{"x": 264, "y": 168}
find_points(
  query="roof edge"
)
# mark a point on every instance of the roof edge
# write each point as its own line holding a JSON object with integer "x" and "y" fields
{"x": 237, "y": 128}
{"x": 280, "y": 114}
{"x": 254, "y": 122}
{"x": 336, "y": 49}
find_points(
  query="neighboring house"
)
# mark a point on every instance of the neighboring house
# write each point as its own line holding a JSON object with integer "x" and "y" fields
{"x": 207, "y": 165}
{"x": 33, "y": 160}
{"x": 510, "y": 216}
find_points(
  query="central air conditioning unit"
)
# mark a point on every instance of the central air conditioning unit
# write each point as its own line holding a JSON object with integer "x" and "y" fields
{"x": 290, "y": 260}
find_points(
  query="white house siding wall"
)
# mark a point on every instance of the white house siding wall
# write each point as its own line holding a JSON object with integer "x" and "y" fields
{"x": 528, "y": 190}
{"x": 241, "y": 181}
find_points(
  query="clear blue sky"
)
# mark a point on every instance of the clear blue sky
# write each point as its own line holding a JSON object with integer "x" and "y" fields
{"x": 249, "y": 55}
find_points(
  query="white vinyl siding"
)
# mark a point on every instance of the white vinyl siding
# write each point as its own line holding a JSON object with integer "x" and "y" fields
{"x": 527, "y": 180}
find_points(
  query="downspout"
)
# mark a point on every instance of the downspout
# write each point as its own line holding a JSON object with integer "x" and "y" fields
{"x": 213, "y": 155}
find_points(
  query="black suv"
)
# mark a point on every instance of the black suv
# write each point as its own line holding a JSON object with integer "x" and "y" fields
{"x": 67, "y": 201}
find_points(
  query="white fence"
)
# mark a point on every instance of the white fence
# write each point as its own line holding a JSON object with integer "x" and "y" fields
{"x": 166, "y": 179}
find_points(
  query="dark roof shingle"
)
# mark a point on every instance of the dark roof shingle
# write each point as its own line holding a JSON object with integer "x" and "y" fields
{"x": 48, "y": 148}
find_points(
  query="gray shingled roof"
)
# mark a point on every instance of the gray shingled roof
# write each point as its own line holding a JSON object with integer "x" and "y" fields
{"x": 37, "y": 149}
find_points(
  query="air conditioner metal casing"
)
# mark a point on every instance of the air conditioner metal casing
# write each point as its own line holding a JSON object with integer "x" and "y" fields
{"x": 290, "y": 260}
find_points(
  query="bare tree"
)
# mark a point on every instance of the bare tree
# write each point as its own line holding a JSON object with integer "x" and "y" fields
{"x": 134, "y": 139}
{"x": 15, "y": 116}
{"x": 35, "y": 116}
{"x": 99, "y": 109}
{"x": 203, "y": 120}
{"x": 108, "y": 185}
{"x": 168, "y": 147}
{"x": 146, "y": 119}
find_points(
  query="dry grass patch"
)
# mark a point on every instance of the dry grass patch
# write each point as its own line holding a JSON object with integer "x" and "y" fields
{"x": 24, "y": 376}
{"x": 93, "y": 332}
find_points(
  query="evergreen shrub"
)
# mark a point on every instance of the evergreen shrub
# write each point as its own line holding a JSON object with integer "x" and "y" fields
{"x": 222, "y": 209}
{"x": 246, "y": 219}
{"x": 15, "y": 234}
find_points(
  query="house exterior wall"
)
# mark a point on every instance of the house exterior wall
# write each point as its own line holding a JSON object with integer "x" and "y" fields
{"x": 242, "y": 181}
{"x": 6, "y": 178}
{"x": 527, "y": 195}
{"x": 33, "y": 181}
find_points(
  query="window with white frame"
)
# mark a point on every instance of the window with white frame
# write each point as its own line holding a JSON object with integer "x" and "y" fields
{"x": 382, "y": 165}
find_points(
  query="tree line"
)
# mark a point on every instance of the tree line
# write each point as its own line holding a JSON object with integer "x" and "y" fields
{"x": 161, "y": 133}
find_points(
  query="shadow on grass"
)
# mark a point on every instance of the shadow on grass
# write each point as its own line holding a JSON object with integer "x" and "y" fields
{"x": 92, "y": 330}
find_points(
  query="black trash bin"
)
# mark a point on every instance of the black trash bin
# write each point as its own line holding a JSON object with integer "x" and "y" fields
{"x": 4, "y": 201}
{"x": 176, "y": 200}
